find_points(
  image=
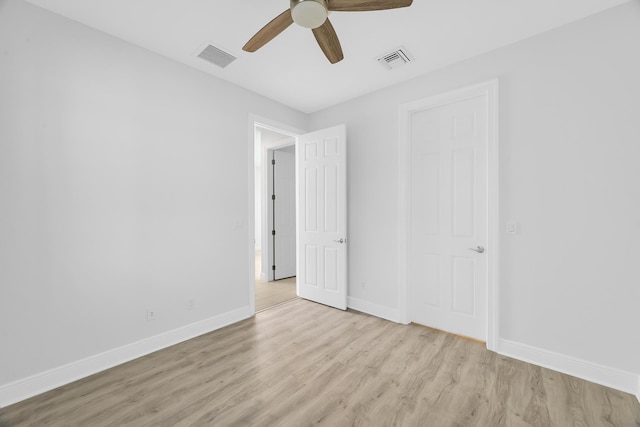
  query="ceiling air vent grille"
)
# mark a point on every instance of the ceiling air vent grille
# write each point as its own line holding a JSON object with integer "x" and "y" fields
{"x": 395, "y": 58}
{"x": 216, "y": 56}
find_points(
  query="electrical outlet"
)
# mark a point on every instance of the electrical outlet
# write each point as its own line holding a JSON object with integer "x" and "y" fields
{"x": 190, "y": 304}
{"x": 151, "y": 314}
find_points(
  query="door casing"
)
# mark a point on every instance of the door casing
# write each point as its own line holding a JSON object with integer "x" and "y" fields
{"x": 490, "y": 90}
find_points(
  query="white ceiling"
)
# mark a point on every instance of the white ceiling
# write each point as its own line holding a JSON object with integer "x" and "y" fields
{"x": 291, "y": 68}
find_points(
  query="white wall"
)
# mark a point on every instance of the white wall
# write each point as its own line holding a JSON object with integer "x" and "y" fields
{"x": 570, "y": 175}
{"x": 121, "y": 177}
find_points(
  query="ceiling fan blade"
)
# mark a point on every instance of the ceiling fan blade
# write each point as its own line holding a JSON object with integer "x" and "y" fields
{"x": 269, "y": 31}
{"x": 328, "y": 41}
{"x": 366, "y": 5}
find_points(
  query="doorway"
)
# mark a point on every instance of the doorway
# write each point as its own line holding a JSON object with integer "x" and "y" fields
{"x": 321, "y": 211}
{"x": 274, "y": 144}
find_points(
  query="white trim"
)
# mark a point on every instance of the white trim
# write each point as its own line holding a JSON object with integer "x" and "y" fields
{"x": 490, "y": 90}
{"x": 56, "y": 377}
{"x": 599, "y": 374}
{"x": 373, "y": 309}
{"x": 493, "y": 230}
{"x": 404, "y": 215}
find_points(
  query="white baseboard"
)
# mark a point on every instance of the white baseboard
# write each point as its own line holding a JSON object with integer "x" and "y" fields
{"x": 638, "y": 392}
{"x": 48, "y": 380}
{"x": 373, "y": 309}
{"x": 599, "y": 374}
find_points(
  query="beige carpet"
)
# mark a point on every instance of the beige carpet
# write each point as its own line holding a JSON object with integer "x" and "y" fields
{"x": 269, "y": 294}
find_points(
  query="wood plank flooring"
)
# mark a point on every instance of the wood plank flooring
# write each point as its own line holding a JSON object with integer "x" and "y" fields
{"x": 302, "y": 363}
{"x": 273, "y": 293}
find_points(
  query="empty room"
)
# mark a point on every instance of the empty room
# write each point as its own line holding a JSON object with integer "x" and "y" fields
{"x": 320, "y": 212}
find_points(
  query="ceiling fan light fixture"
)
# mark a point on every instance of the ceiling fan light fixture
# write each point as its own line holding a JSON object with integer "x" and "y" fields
{"x": 309, "y": 13}
{"x": 314, "y": 14}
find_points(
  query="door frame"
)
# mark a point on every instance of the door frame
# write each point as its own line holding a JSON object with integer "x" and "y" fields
{"x": 254, "y": 121}
{"x": 490, "y": 90}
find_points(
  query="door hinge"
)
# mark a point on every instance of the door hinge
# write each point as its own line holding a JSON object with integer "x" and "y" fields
{"x": 273, "y": 267}
{"x": 273, "y": 197}
{"x": 273, "y": 162}
{"x": 273, "y": 232}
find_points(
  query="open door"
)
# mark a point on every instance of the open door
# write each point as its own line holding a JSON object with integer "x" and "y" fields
{"x": 322, "y": 216}
{"x": 283, "y": 202}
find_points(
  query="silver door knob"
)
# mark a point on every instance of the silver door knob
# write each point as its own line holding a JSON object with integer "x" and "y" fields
{"x": 340, "y": 241}
{"x": 478, "y": 249}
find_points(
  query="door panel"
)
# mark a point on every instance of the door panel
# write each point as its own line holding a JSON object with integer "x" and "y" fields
{"x": 463, "y": 285}
{"x": 449, "y": 216}
{"x": 322, "y": 214}
{"x": 463, "y": 192}
{"x": 331, "y": 175}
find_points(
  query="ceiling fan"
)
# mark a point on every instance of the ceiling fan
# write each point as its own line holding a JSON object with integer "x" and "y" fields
{"x": 313, "y": 14}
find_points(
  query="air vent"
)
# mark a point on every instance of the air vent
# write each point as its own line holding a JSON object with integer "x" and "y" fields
{"x": 395, "y": 58}
{"x": 216, "y": 56}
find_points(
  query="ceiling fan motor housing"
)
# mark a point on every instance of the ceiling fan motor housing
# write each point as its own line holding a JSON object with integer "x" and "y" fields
{"x": 309, "y": 13}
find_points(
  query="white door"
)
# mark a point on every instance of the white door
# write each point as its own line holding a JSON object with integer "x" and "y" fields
{"x": 284, "y": 213}
{"x": 322, "y": 216}
{"x": 448, "y": 262}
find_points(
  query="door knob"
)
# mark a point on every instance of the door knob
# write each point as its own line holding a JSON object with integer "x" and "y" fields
{"x": 340, "y": 241}
{"x": 478, "y": 249}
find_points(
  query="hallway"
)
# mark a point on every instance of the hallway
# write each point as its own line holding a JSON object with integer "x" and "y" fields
{"x": 269, "y": 294}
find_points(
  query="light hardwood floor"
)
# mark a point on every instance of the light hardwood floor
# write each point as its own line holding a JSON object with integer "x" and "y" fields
{"x": 302, "y": 363}
{"x": 273, "y": 293}
{"x": 269, "y": 294}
